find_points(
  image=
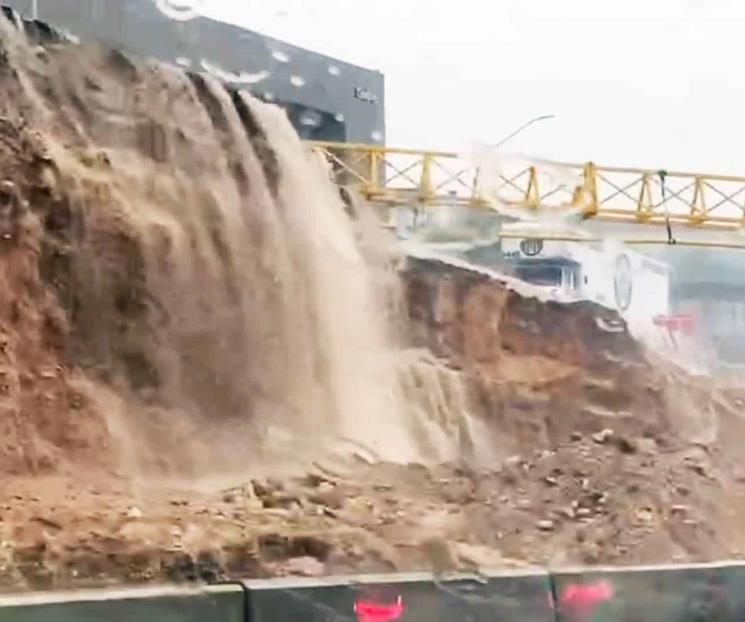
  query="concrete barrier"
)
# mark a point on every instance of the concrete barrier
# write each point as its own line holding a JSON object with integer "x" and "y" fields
{"x": 691, "y": 593}
{"x": 523, "y": 596}
{"x": 223, "y": 603}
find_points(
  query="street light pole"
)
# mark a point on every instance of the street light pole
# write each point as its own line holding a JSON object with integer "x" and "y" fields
{"x": 543, "y": 117}
{"x": 35, "y": 9}
{"x": 524, "y": 126}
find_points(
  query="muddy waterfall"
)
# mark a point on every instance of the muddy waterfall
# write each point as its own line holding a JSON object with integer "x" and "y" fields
{"x": 209, "y": 278}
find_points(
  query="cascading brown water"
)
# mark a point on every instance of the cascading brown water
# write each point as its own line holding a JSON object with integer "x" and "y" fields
{"x": 209, "y": 268}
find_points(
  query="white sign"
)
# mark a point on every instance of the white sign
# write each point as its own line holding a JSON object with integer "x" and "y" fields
{"x": 365, "y": 95}
{"x": 531, "y": 246}
{"x": 623, "y": 282}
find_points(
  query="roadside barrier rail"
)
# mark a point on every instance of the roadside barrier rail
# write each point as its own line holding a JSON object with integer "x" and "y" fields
{"x": 674, "y": 593}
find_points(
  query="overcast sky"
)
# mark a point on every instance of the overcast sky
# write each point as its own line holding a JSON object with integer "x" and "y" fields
{"x": 656, "y": 83}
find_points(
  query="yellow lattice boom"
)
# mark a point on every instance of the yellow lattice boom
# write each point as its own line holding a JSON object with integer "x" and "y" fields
{"x": 391, "y": 176}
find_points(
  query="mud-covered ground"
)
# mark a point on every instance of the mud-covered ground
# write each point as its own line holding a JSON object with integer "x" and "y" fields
{"x": 597, "y": 498}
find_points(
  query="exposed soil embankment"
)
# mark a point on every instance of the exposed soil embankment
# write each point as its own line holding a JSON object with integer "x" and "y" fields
{"x": 600, "y": 486}
{"x": 615, "y": 455}
{"x": 47, "y": 420}
{"x": 539, "y": 370}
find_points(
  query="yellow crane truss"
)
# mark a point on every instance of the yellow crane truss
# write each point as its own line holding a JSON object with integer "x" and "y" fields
{"x": 711, "y": 204}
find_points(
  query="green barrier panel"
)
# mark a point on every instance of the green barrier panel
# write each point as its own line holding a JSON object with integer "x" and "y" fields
{"x": 225, "y": 603}
{"x": 683, "y": 593}
{"x": 509, "y": 596}
{"x": 691, "y": 593}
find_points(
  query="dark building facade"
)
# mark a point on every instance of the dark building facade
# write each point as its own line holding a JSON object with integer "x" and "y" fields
{"x": 325, "y": 98}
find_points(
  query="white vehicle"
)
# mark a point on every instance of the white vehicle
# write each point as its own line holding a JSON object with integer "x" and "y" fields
{"x": 609, "y": 274}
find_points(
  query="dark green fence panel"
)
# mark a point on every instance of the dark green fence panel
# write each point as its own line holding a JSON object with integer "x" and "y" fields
{"x": 215, "y": 604}
{"x": 696, "y": 593}
{"x": 523, "y": 597}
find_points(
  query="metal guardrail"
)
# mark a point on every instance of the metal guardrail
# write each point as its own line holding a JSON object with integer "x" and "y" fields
{"x": 220, "y": 603}
{"x": 391, "y": 176}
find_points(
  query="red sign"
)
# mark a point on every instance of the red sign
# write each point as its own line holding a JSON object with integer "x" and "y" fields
{"x": 368, "y": 611}
{"x": 683, "y": 323}
{"x": 581, "y": 599}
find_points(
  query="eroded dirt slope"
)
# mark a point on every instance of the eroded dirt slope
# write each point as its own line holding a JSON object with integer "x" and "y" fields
{"x": 606, "y": 485}
{"x": 47, "y": 421}
{"x": 539, "y": 371}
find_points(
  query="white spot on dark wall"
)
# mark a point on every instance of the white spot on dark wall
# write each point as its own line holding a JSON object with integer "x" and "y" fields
{"x": 228, "y": 76}
{"x": 310, "y": 118}
{"x": 180, "y": 10}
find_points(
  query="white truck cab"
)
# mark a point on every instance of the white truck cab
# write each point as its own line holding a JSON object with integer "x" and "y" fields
{"x": 606, "y": 273}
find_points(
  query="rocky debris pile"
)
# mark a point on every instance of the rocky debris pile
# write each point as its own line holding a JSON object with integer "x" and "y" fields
{"x": 601, "y": 497}
{"x": 606, "y": 498}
